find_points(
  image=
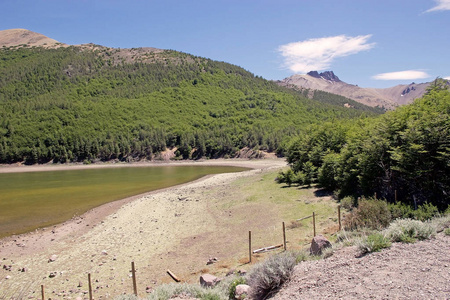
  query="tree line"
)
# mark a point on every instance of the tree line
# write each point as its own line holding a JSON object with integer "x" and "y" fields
{"x": 406, "y": 151}
{"x": 74, "y": 104}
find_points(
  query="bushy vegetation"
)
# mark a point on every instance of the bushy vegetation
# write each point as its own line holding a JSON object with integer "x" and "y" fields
{"x": 168, "y": 291}
{"x": 85, "y": 104}
{"x": 377, "y": 214}
{"x": 370, "y": 213}
{"x": 373, "y": 243}
{"x": 266, "y": 277}
{"x": 408, "y": 231}
{"x": 404, "y": 152}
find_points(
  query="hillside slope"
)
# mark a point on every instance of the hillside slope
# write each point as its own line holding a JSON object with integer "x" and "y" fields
{"x": 404, "y": 271}
{"x": 388, "y": 98}
{"x": 89, "y": 102}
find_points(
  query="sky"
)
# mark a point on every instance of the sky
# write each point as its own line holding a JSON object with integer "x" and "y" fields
{"x": 371, "y": 43}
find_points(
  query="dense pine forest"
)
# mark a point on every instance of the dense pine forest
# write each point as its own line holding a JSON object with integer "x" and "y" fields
{"x": 88, "y": 103}
{"x": 403, "y": 154}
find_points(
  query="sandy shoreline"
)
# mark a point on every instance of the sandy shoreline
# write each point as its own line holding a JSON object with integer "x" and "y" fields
{"x": 246, "y": 163}
{"x": 117, "y": 229}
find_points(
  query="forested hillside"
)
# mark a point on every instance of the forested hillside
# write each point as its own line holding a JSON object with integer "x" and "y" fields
{"x": 406, "y": 151}
{"x": 92, "y": 102}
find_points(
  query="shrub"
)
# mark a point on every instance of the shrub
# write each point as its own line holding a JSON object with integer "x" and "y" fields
{"x": 426, "y": 212}
{"x": 348, "y": 202}
{"x": 373, "y": 243}
{"x": 371, "y": 213}
{"x": 407, "y": 230}
{"x": 167, "y": 291}
{"x": 441, "y": 223}
{"x": 268, "y": 276}
{"x": 403, "y": 211}
{"x": 234, "y": 284}
{"x": 447, "y": 231}
{"x": 302, "y": 255}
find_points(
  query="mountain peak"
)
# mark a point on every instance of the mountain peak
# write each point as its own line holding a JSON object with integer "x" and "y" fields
{"x": 327, "y": 75}
{"x": 19, "y": 36}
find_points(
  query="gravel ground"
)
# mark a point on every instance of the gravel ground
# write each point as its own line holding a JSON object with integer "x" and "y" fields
{"x": 404, "y": 271}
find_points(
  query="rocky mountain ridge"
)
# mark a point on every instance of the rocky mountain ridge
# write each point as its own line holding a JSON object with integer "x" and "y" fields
{"x": 387, "y": 98}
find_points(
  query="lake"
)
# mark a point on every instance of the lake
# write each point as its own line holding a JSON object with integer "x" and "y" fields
{"x": 32, "y": 200}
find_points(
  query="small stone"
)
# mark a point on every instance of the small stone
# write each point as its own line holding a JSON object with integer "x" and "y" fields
{"x": 52, "y": 274}
{"x": 52, "y": 258}
{"x": 242, "y": 291}
{"x": 208, "y": 280}
{"x": 7, "y": 268}
{"x": 242, "y": 272}
{"x": 212, "y": 260}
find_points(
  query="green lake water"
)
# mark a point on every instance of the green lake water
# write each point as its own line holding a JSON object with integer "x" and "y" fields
{"x": 38, "y": 199}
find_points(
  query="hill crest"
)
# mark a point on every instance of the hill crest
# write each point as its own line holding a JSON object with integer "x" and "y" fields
{"x": 19, "y": 36}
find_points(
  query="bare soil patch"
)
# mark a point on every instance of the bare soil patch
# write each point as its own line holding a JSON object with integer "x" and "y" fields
{"x": 404, "y": 271}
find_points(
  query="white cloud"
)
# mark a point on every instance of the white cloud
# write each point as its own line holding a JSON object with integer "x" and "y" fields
{"x": 318, "y": 54}
{"x": 402, "y": 75}
{"x": 440, "y": 5}
{"x": 447, "y": 78}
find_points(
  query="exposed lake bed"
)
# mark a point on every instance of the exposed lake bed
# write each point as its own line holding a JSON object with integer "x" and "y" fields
{"x": 179, "y": 228}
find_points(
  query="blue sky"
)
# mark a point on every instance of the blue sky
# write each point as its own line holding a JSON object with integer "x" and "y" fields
{"x": 379, "y": 43}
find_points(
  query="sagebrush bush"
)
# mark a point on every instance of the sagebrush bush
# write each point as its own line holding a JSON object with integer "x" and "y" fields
{"x": 373, "y": 243}
{"x": 302, "y": 255}
{"x": 167, "y": 291}
{"x": 350, "y": 237}
{"x": 441, "y": 223}
{"x": 371, "y": 213}
{"x": 268, "y": 276}
{"x": 408, "y": 231}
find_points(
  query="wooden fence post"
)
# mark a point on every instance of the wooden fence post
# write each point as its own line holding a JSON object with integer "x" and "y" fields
{"x": 375, "y": 195}
{"x": 250, "y": 246}
{"x": 284, "y": 236}
{"x": 133, "y": 272}
{"x": 42, "y": 292}
{"x": 339, "y": 216}
{"x": 314, "y": 224}
{"x": 90, "y": 286}
{"x": 395, "y": 196}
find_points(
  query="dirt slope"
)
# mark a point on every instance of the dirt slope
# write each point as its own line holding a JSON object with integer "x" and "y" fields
{"x": 405, "y": 271}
